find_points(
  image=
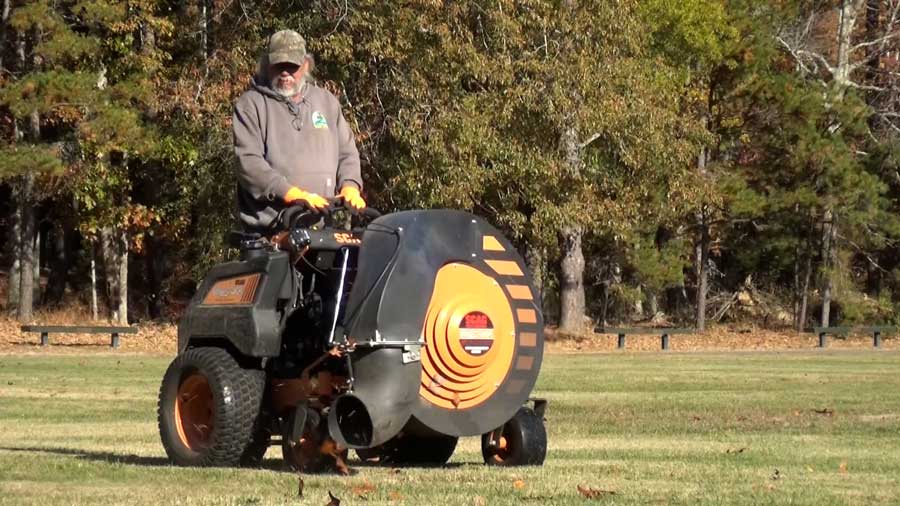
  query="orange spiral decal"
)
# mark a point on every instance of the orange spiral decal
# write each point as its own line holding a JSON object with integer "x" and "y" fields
{"x": 470, "y": 338}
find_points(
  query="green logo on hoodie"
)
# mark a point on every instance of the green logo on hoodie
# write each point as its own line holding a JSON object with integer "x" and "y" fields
{"x": 318, "y": 120}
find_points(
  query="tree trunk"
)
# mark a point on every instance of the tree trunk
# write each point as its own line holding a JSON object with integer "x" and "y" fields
{"x": 110, "y": 264}
{"x": 571, "y": 290}
{"x": 702, "y": 246}
{"x": 534, "y": 259}
{"x": 850, "y": 10}
{"x": 702, "y": 260}
{"x": 571, "y": 286}
{"x": 15, "y": 251}
{"x": 4, "y": 22}
{"x": 122, "y": 277}
{"x": 94, "y": 310}
{"x": 59, "y": 266}
{"x": 37, "y": 265}
{"x": 26, "y": 278}
{"x": 804, "y": 294}
{"x": 828, "y": 254}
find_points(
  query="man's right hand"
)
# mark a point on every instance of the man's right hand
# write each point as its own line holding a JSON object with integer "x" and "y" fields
{"x": 313, "y": 201}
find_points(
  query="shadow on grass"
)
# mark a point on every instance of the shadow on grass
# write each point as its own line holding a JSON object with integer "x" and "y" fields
{"x": 276, "y": 465}
{"x": 37, "y": 344}
{"x": 111, "y": 458}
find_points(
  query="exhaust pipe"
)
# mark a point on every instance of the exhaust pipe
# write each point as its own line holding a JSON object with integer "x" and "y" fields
{"x": 381, "y": 401}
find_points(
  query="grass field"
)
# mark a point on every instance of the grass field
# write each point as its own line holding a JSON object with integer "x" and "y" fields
{"x": 736, "y": 428}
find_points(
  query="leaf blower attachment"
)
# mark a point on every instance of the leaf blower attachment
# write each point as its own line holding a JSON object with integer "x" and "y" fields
{"x": 447, "y": 326}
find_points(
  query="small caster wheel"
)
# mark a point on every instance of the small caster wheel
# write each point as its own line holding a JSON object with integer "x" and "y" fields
{"x": 522, "y": 441}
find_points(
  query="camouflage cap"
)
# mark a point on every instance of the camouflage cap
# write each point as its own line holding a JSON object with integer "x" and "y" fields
{"x": 286, "y": 46}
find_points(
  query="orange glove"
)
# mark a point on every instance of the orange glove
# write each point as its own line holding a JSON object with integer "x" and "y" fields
{"x": 353, "y": 198}
{"x": 312, "y": 200}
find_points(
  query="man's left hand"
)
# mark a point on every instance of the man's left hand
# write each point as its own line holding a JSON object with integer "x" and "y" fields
{"x": 353, "y": 198}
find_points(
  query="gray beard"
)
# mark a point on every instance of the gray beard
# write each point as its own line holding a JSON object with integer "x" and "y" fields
{"x": 291, "y": 91}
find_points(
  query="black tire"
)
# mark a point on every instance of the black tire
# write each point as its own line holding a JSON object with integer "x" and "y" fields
{"x": 526, "y": 441}
{"x": 412, "y": 451}
{"x": 236, "y": 431}
{"x": 259, "y": 445}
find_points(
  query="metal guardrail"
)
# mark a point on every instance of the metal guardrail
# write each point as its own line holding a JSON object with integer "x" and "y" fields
{"x": 875, "y": 330}
{"x": 46, "y": 330}
{"x": 663, "y": 332}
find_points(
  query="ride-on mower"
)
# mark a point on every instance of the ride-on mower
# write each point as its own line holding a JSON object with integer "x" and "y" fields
{"x": 393, "y": 338}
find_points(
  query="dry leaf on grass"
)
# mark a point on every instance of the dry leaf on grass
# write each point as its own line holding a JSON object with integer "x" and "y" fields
{"x": 843, "y": 468}
{"x": 519, "y": 484}
{"x": 363, "y": 490}
{"x": 594, "y": 493}
{"x": 334, "y": 500}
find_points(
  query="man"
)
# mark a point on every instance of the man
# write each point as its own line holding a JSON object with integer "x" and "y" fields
{"x": 292, "y": 143}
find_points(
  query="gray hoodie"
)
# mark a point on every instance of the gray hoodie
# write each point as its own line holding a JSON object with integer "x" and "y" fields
{"x": 280, "y": 144}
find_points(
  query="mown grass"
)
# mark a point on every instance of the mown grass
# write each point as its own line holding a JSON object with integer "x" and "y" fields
{"x": 737, "y": 428}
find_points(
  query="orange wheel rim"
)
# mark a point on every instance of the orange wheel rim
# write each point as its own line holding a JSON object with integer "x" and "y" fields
{"x": 194, "y": 415}
{"x": 501, "y": 451}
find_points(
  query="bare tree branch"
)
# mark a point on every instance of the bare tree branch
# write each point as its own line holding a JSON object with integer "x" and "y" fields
{"x": 589, "y": 140}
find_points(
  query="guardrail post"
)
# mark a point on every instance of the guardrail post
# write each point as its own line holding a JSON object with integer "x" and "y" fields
{"x": 114, "y": 343}
{"x": 45, "y": 339}
{"x": 621, "y": 342}
{"x": 821, "y": 339}
{"x": 876, "y": 339}
{"x": 665, "y": 342}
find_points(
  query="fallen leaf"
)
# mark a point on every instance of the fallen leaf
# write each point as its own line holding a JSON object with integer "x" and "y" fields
{"x": 771, "y": 487}
{"x": 843, "y": 468}
{"x": 824, "y": 411}
{"x": 334, "y": 500}
{"x": 363, "y": 490}
{"x": 696, "y": 418}
{"x": 796, "y": 412}
{"x": 594, "y": 493}
{"x": 518, "y": 484}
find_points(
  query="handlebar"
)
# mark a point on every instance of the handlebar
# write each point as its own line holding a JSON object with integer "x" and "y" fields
{"x": 291, "y": 215}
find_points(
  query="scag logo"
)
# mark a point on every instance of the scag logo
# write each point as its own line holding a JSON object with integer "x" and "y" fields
{"x": 476, "y": 333}
{"x": 344, "y": 238}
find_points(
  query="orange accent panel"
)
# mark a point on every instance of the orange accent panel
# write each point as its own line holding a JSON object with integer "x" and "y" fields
{"x": 233, "y": 291}
{"x": 454, "y": 376}
{"x": 515, "y": 386}
{"x": 525, "y": 363}
{"x": 490, "y": 243}
{"x": 505, "y": 267}
{"x": 526, "y": 315}
{"x": 527, "y": 339}
{"x": 519, "y": 292}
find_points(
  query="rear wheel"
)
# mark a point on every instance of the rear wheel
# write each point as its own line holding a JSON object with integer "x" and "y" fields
{"x": 209, "y": 410}
{"x": 522, "y": 441}
{"x": 412, "y": 450}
